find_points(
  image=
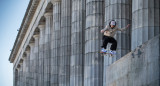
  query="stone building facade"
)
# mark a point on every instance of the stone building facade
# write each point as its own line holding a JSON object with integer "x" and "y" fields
{"x": 59, "y": 42}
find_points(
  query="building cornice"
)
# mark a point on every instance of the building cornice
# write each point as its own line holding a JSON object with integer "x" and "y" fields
{"x": 33, "y": 4}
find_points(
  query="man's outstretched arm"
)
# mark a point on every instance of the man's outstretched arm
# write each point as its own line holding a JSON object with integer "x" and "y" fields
{"x": 125, "y": 28}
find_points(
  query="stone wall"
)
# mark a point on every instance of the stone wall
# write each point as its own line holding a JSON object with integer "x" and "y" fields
{"x": 138, "y": 68}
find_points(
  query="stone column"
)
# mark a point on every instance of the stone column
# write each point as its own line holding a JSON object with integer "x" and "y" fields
{"x": 47, "y": 48}
{"x": 77, "y": 43}
{"x": 31, "y": 63}
{"x": 21, "y": 74}
{"x": 145, "y": 21}
{"x": 120, "y": 10}
{"x": 15, "y": 77}
{"x": 41, "y": 55}
{"x": 65, "y": 46}
{"x": 93, "y": 75}
{"x": 36, "y": 60}
{"x": 18, "y": 78}
{"x": 24, "y": 69}
{"x": 27, "y": 67}
{"x": 55, "y": 43}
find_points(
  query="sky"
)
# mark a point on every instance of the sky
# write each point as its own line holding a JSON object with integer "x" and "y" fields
{"x": 11, "y": 16}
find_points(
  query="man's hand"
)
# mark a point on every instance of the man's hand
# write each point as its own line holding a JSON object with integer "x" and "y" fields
{"x": 106, "y": 26}
{"x": 102, "y": 31}
{"x": 128, "y": 25}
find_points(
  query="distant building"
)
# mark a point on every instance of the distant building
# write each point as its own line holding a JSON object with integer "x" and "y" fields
{"x": 59, "y": 41}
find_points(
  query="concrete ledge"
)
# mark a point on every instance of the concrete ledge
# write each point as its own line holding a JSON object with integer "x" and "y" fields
{"x": 138, "y": 68}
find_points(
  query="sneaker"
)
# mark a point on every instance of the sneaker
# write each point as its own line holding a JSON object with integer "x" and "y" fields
{"x": 103, "y": 50}
{"x": 112, "y": 52}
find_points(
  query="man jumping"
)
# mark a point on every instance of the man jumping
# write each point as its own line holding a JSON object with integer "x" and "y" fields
{"x": 108, "y": 37}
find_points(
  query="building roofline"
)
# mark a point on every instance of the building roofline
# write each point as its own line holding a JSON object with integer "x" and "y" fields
{"x": 23, "y": 28}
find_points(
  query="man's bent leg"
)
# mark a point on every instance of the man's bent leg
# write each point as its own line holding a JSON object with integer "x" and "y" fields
{"x": 105, "y": 42}
{"x": 114, "y": 44}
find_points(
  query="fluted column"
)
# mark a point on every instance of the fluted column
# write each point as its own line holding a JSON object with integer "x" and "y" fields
{"x": 77, "y": 43}
{"x": 55, "y": 42}
{"x": 24, "y": 69}
{"x": 36, "y": 60}
{"x": 21, "y": 74}
{"x": 31, "y": 69}
{"x": 47, "y": 48}
{"x": 145, "y": 21}
{"x": 93, "y": 75}
{"x": 18, "y": 77}
{"x": 65, "y": 46}
{"x": 15, "y": 77}
{"x": 120, "y": 10}
{"x": 28, "y": 68}
{"x": 41, "y": 55}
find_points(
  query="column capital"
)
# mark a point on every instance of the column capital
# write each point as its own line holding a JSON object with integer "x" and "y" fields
{"x": 24, "y": 55}
{"x": 27, "y": 52}
{"x": 53, "y": 1}
{"x": 31, "y": 44}
{"x": 41, "y": 26}
{"x": 18, "y": 66}
{"x": 48, "y": 14}
{"x": 41, "y": 23}
{"x": 21, "y": 61}
{"x": 36, "y": 36}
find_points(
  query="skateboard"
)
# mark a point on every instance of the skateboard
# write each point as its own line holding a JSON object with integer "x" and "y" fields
{"x": 106, "y": 53}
